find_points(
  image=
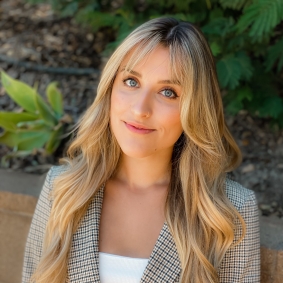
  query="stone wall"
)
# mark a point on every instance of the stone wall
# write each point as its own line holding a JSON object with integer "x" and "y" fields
{"x": 271, "y": 238}
{"x": 15, "y": 216}
{"x": 18, "y": 198}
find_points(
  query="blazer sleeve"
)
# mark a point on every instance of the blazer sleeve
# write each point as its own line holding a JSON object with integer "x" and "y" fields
{"x": 241, "y": 263}
{"x": 34, "y": 242}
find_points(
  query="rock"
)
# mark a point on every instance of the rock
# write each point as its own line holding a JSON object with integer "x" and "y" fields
{"x": 245, "y": 142}
{"x": 266, "y": 209}
{"x": 248, "y": 168}
{"x": 279, "y": 150}
{"x": 264, "y": 206}
{"x": 274, "y": 204}
{"x": 89, "y": 37}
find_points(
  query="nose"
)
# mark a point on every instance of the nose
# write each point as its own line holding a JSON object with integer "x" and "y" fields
{"x": 142, "y": 104}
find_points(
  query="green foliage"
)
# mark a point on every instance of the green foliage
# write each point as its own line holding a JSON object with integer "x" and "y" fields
{"x": 232, "y": 68}
{"x": 245, "y": 36}
{"x": 235, "y": 4}
{"x": 21, "y": 93}
{"x": 275, "y": 56}
{"x": 55, "y": 99}
{"x": 261, "y": 16}
{"x": 237, "y": 98}
{"x": 215, "y": 48}
{"x": 39, "y": 125}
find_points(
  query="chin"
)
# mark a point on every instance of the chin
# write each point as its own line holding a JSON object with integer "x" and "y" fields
{"x": 138, "y": 152}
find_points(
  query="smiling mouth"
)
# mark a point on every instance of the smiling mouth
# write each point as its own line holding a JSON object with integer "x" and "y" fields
{"x": 138, "y": 128}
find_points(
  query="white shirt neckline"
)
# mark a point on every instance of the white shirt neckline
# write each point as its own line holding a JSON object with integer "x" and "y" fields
{"x": 120, "y": 269}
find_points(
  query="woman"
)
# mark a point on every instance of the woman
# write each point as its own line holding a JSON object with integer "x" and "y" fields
{"x": 143, "y": 195}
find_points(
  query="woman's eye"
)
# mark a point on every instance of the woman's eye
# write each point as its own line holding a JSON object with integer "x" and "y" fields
{"x": 131, "y": 82}
{"x": 169, "y": 93}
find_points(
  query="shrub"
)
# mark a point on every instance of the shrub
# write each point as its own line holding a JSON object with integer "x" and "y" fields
{"x": 245, "y": 37}
{"x": 38, "y": 125}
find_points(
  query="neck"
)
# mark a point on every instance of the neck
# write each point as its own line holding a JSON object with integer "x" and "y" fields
{"x": 144, "y": 173}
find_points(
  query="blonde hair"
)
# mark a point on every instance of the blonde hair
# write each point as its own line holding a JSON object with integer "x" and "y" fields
{"x": 199, "y": 215}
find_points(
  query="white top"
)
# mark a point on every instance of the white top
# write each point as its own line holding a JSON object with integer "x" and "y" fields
{"x": 120, "y": 269}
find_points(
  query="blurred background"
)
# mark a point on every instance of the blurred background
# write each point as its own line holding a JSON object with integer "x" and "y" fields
{"x": 51, "y": 56}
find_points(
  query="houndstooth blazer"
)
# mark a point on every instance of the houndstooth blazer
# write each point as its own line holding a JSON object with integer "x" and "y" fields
{"x": 241, "y": 264}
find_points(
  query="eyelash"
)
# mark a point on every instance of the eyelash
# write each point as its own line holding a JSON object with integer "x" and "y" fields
{"x": 167, "y": 88}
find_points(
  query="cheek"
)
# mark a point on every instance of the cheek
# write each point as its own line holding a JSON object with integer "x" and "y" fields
{"x": 118, "y": 107}
{"x": 119, "y": 102}
{"x": 171, "y": 121}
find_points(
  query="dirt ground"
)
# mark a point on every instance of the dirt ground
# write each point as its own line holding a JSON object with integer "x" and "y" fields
{"x": 35, "y": 35}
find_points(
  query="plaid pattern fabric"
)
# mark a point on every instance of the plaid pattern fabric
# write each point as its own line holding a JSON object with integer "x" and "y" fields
{"x": 241, "y": 264}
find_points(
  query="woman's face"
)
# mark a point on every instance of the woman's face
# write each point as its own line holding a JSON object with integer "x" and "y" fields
{"x": 145, "y": 115}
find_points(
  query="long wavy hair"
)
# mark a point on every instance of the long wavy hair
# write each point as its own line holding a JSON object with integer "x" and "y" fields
{"x": 199, "y": 215}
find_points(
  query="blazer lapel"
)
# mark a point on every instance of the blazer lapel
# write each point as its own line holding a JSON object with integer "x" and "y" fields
{"x": 84, "y": 254}
{"x": 164, "y": 264}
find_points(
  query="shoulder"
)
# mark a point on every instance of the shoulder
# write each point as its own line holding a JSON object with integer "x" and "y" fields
{"x": 45, "y": 201}
{"x": 54, "y": 172}
{"x": 239, "y": 195}
{"x": 241, "y": 262}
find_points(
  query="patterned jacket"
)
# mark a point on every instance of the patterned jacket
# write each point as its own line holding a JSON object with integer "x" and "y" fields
{"x": 241, "y": 264}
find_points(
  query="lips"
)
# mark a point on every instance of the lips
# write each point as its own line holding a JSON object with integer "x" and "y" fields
{"x": 137, "y": 128}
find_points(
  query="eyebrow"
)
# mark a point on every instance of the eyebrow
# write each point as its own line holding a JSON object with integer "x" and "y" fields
{"x": 172, "y": 82}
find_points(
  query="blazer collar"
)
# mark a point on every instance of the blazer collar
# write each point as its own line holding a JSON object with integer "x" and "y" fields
{"x": 163, "y": 266}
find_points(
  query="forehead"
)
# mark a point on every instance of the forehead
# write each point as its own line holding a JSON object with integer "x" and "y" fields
{"x": 156, "y": 59}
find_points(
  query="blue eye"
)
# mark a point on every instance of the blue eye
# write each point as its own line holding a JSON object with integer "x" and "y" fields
{"x": 131, "y": 82}
{"x": 169, "y": 93}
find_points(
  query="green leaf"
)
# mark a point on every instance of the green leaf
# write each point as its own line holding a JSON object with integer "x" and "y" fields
{"x": 244, "y": 93}
{"x": 10, "y": 120}
{"x": 234, "y": 100}
{"x": 190, "y": 18}
{"x": 266, "y": 101}
{"x": 34, "y": 143}
{"x": 55, "y": 99}
{"x": 275, "y": 55}
{"x": 215, "y": 14}
{"x": 237, "y": 42}
{"x": 70, "y": 9}
{"x": 20, "y": 92}
{"x": 246, "y": 66}
{"x": 229, "y": 72}
{"x": 234, "y": 106}
{"x": 232, "y": 68}
{"x": 215, "y": 48}
{"x": 45, "y": 112}
{"x": 25, "y": 140}
{"x": 235, "y": 4}
{"x": 182, "y": 5}
{"x": 54, "y": 141}
{"x": 219, "y": 26}
{"x": 34, "y": 126}
{"x": 272, "y": 107}
{"x": 97, "y": 19}
{"x": 261, "y": 16}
